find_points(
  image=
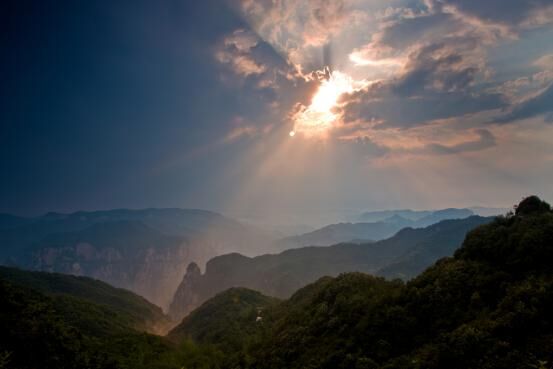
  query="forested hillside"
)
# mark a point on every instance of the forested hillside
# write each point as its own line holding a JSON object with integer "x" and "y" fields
{"x": 488, "y": 306}
{"x": 137, "y": 312}
{"x": 55, "y": 321}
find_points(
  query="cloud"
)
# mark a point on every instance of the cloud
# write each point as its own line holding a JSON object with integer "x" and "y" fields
{"x": 422, "y": 63}
{"x": 306, "y": 23}
{"x": 437, "y": 67}
{"x": 545, "y": 62}
{"x": 443, "y": 138}
{"x": 236, "y": 52}
{"x": 365, "y": 146}
{"x": 484, "y": 140}
{"x": 404, "y": 112}
{"x": 241, "y": 40}
{"x": 509, "y": 12}
{"x": 536, "y": 105}
{"x": 241, "y": 64}
{"x": 299, "y": 29}
{"x": 530, "y": 96}
{"x": 408, "y": 31}
{"x": 240, "y": 128}
{"x": 435, "y": 83}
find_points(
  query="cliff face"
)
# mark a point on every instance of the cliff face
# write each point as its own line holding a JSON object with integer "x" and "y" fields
{"x": 146, "y": 251}
{"x": 137, "y": 258}
{"x": 126, "y": 255}
{"x": 186, "y": 297}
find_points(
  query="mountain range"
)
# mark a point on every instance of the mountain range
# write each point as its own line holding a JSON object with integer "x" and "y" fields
{"x": 145, "y": 251}
{"x": 404, "y": 255}
{"x": 488, "y": 306}
{"x": 414, "y": 215}
{"x": 381, "y": 225}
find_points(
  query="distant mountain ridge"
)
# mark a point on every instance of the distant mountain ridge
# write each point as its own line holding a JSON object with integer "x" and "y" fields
{"x": 146, "y": 250}
{"x": 380, "y": 215}
{"x": 383, "y": 224}
{"x": 279, "y": 275}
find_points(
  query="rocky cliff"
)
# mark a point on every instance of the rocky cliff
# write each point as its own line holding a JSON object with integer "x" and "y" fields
{"x": 146, "y": 251}
{"x": 125, "y": 254}
{"x": 186, "y": 298}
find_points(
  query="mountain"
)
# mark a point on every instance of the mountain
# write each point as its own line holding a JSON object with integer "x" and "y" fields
{"x": 487, "y": 211}
{"x": 376, "y": 216}
{"x": 145, "y": 251}
{"x": 341, "y": 232}
{"x": 55, "y": 321}
{"x": 137, "y": 312}
{"x": 225, "y": 318}
{"x": 413, "y": 215}
{"x": 489, "y": 306}
{"x": 387, "y": 224}
{"x": 127, "y": 254}
{"x": 281, "y": 274}
{"x": 225, "y": 323}
{"x": 439, "y": 215}
{"x": 58, "y": 321}
{"x": 190, "y": 223}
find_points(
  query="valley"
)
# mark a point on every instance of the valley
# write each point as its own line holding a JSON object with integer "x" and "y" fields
{"x": 486, "y": 304}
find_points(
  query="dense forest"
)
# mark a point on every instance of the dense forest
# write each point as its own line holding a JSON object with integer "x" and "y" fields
{"x": 488, "y": 306}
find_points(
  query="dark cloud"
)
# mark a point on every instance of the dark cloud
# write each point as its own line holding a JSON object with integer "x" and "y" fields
{"x": 444, "y": 56}
{"x": 406, "y": 112}
{"x": 535, "y": 106}
{"x": 485, "y": 140}
{"x": 364, "y": 146}
{"x": 436, "y": 84}
{"x": 435, "y": 67}
{"x": 447, "y": 61}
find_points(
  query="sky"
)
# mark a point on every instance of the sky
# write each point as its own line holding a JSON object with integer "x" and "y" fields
{"x": 281, "y": 109}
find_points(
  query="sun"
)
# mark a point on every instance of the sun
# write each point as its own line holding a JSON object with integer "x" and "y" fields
{"x": 329, "y": 91}
{"x": 320, "y": 116}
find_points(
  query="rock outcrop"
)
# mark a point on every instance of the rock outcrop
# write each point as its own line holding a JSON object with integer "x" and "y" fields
{"x": 186, "y": 298}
